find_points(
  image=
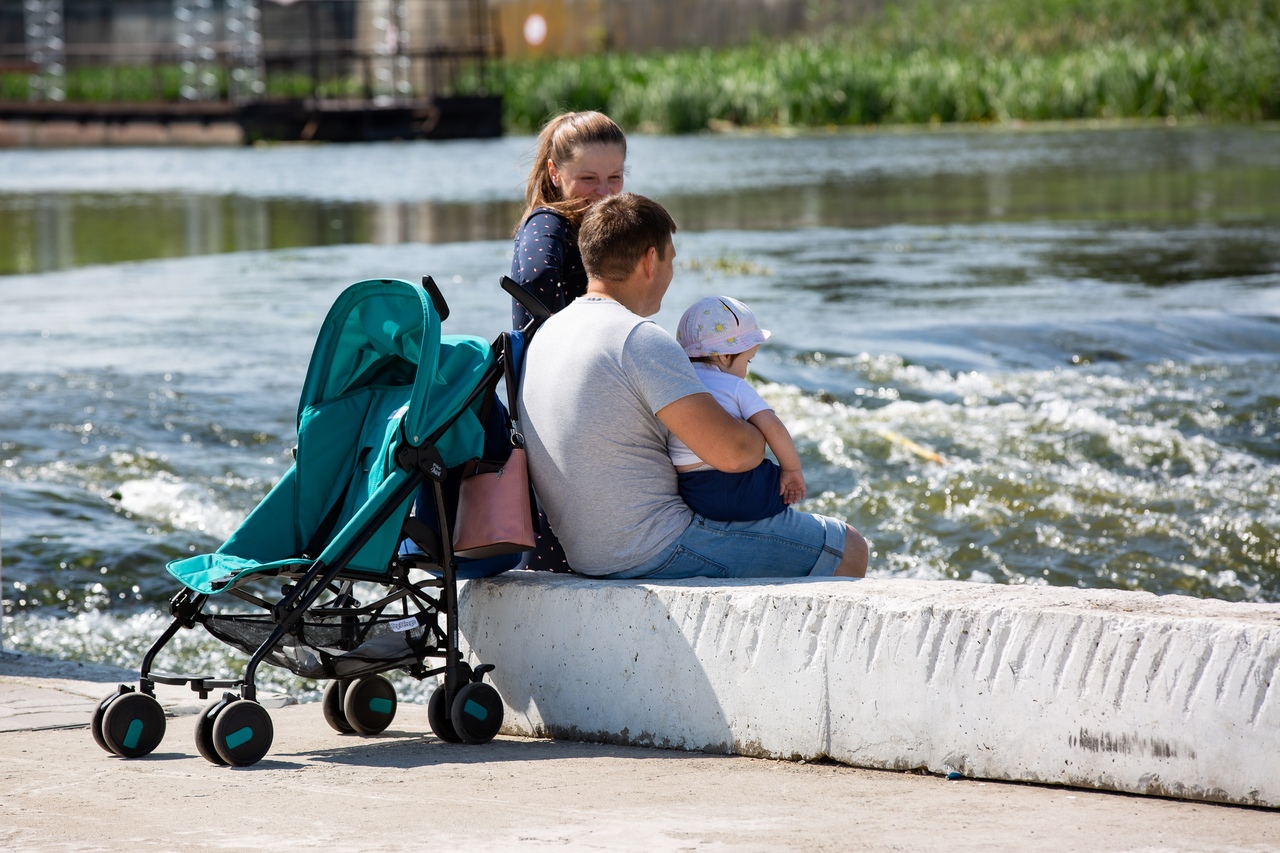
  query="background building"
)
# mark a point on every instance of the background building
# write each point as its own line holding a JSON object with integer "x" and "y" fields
{"x": 573, "y": 27}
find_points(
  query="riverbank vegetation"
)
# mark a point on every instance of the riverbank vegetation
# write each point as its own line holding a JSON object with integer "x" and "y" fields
{"x": 164, "y": 84}
{"x": 939, "y": 61}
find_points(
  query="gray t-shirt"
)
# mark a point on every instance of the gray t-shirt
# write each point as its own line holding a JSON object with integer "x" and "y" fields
{"x": 594, "y": 378}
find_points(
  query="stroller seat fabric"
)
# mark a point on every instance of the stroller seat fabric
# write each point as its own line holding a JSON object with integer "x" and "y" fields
{"x": 353, "y": 418}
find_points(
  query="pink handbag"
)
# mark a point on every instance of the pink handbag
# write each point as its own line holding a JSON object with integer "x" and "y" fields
{"x": 495, "y": 503}
{"x": 495, "y": 514}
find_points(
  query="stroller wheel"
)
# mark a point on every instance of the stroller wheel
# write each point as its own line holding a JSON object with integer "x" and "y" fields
{"x": 133, "y": 725}
{"x": 242, "y": 733}
{"x": 95, "y": 725}
{"x": 334, "y": 694}
{"x": 477, "y": 713}
{"x": 204, "y": 730}
{"x": 370, "y": 704}
{"x": 438, "y": 717}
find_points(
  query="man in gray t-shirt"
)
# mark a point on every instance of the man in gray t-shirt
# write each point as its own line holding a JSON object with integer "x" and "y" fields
{"x": 600, "y": 458}
{"x": 602, "y": 389}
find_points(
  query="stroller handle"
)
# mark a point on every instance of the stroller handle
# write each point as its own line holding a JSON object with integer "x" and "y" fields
{"x": 527, "y": 300}
{"x": 437, "y": 298}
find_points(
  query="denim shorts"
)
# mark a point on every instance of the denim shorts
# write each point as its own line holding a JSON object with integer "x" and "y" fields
{"x": 790, "y": 544}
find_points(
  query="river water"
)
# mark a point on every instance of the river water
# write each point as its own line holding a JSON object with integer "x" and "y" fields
{"x": 1045, "y": 356}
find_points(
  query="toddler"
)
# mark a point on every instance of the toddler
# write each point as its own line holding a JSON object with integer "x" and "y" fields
{"x": 721, "y": 336}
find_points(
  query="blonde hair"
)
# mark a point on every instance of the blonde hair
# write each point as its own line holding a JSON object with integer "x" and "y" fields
{"x": 561, "y": 141}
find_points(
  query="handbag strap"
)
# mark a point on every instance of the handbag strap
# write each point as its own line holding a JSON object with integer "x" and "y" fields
{"x": 512, "y": 362}
{"x": 513, "y": 351}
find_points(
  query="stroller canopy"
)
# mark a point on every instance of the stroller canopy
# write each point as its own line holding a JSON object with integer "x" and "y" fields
{"x": 381, "y": 375}
{"x": 388, "y": 333}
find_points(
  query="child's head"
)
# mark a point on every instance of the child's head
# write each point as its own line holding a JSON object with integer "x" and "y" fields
{"x": 720, "y": 329}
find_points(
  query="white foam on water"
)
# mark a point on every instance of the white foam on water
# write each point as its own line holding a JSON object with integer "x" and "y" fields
{"x": 1065, "y": 476}
{"x": 182, "y": 505}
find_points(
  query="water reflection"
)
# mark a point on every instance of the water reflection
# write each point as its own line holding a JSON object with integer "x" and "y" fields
{"x": 46, "y": 232}
{"x": 1017, "y": 196}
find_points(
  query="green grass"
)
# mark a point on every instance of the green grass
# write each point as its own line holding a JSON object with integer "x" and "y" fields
{"x": 147, "y": 84}
{"x": 920, "y": 61}
{"x": 110, "y": 84}
{"x": 942, "y": 61}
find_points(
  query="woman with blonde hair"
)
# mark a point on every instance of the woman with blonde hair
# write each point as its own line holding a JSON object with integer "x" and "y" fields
{"x": 580, "y": 158}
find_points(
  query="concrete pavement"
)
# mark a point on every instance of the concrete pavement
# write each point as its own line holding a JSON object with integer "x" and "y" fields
{"x": 404, "y": 790}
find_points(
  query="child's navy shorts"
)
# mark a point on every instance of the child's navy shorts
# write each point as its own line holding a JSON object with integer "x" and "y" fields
{"x": 747, "y": 496}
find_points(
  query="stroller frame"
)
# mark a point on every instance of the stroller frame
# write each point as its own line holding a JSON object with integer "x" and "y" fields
{"x": 319, "y": 629}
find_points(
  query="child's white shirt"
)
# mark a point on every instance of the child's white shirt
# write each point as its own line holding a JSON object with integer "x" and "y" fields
{"x": 735, "y": 395}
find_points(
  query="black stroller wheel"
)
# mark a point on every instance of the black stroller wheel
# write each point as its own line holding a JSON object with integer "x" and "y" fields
{"x": 438, "y": 717}
{"x": 334, "y": 694}
{"x": 370, "y": 704}
{"x": 477, "y": 713}
{"x": 242, "y": 733}
{"x": 133, "y": 725}
{"x": 95, "y": 725}
{"x": 204, "y": 730}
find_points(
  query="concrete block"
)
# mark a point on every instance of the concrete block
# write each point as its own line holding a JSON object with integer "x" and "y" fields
{"x": 1163, "y": 695}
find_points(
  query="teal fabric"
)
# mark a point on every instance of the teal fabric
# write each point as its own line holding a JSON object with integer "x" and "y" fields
{"x": 380, "y": 375}
{"x": 210, "y": 573}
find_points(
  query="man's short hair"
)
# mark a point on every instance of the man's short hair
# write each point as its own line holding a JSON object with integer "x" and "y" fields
{"x": 618, "y": 231}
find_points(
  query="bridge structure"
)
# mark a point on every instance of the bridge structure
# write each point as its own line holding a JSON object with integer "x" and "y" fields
{"x": 323, "y": 70}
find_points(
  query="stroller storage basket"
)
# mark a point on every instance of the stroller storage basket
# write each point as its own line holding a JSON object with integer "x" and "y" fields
{"x": 333, "y": 646}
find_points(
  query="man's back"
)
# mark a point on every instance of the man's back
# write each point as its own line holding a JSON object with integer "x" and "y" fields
{"x": 594, "y": 378}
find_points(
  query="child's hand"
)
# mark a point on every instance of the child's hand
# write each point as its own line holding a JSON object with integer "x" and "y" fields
{"x": 791, "y": 486}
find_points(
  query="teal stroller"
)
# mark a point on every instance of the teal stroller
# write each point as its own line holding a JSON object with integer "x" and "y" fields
{"x": 346, "y": 569}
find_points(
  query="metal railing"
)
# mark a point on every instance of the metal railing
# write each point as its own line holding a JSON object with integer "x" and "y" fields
{"x": 156, "y": 73}
{"x": 224, "y": 51}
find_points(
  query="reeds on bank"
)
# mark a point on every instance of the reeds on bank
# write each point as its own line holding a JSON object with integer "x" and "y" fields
{"x": 946, "y": 61}
{"x": 918, "y": 61}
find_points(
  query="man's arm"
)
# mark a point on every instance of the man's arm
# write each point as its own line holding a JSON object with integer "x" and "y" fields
{"x": 718, "y": 438}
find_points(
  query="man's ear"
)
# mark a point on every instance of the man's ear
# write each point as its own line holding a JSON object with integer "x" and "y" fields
{"x": 649, "y": 262}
